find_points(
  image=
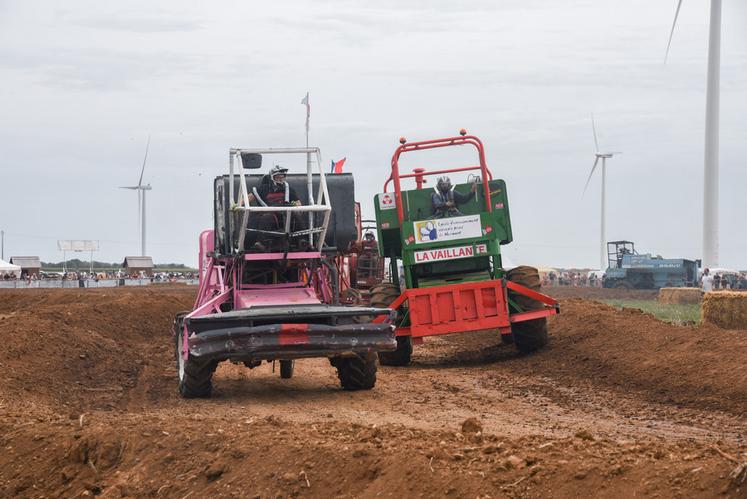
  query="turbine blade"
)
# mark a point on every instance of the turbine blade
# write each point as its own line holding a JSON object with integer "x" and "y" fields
{"x": 671, "y": 33}
{"x": 147, "y": 145}
{"x": 125, "y": 187}
{"x": 590, "y": 175}
{"x": 594, "y": 129}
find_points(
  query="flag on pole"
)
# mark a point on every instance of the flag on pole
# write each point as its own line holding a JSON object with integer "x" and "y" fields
{"x": 337, "y": 165}
{"x": 305, "y": 102}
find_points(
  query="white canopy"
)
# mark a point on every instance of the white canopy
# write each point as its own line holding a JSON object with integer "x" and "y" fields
{"x": 6, "y": 267}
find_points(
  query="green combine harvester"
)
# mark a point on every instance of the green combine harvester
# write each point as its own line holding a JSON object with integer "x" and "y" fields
{"x": 449, "y": 245}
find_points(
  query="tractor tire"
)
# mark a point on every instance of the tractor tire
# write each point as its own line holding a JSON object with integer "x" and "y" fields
{"x": 195, "y": 376}
{"x": 382, "y": 295}
{"x": 286, "y": 368}
{"x": 528, "y": 336}
{"x": 357, "y": 373}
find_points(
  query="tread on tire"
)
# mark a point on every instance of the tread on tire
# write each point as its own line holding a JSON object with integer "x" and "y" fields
{"x": 358, "y": 372}
{"x": 195, "y": 376}
{"x": 383, "y": 295}
{"x": 528, "y": 336}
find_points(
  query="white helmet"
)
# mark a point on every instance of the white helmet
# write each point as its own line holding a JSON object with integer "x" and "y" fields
{"x": 275, "y": 171}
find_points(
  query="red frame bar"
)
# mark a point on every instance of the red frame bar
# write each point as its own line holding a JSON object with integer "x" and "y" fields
{"x": 501, "y": 321}
{"x": 432, "y": 144}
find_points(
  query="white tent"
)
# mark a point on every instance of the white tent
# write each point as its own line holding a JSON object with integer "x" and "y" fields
{"x": 6, "y": 267}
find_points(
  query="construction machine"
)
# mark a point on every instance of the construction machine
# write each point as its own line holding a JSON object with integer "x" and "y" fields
{"x": 453, "y": 279}
{"x": 266, "y": 292}
{"x": 627, "y": 269}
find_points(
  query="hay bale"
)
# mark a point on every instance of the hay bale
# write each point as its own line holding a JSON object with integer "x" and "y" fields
{"x": 726, "y": 309}
{"x": 680, "y": 296}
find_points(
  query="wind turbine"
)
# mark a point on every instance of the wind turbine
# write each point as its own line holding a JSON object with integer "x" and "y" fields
{"x": 604, "y": 156}
{"x": 141, "y": 190}
{"x": 710, "y": 170}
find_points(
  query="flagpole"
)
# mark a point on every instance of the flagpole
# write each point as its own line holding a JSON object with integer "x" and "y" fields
{"x": 308, "y": 167}
{"x": 305, "y": 101}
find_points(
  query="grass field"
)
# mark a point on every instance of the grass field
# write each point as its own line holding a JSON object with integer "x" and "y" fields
{"x": 679, "y": 314}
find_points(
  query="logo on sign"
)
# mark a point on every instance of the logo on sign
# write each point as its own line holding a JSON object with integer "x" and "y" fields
{"x": 386, "y": 201}
{"x": 426, "y": 231}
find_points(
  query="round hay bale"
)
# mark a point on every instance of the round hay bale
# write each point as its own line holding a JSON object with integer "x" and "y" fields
{"x": 680, "y": 296}
{"x": 726, "y": 309}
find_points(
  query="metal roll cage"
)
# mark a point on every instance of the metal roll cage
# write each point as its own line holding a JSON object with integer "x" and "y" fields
{"x": 463, "y": 139}
{"x": 320, "y": 205}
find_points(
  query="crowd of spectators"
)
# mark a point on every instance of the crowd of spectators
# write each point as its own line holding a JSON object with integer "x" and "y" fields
{"x": 96, "y": 276}
{"x": 571, "y": 278}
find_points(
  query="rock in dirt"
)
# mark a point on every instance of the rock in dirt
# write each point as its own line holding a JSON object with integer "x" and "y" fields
{"x": 513, "y": 461}
{"x": 214, "y": 471}
{"x": 471, "y": 425}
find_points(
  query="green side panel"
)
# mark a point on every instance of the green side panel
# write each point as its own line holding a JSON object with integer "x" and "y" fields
{"x": 401, "y": 242}
{"x": 387, "y": 225}
{"x": 418, "y": 206}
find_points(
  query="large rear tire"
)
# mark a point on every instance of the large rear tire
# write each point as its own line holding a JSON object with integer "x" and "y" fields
{"x": 383, "y": 295}
{"x": 358, "y": 372}
{"x": 195, "y": 376}
{"x": 528, "y": 336}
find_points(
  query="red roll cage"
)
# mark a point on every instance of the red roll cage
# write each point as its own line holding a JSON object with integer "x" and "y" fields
{"x": 419, "y": 173}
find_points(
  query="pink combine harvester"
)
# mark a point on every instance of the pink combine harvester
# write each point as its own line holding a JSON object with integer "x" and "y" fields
{"x": 267, "y": 277}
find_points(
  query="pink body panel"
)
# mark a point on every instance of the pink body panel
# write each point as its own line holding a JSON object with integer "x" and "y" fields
{"x": 287, "y": 296}
{"x": 296, "y": 255}
{"x": 207, "y": 245}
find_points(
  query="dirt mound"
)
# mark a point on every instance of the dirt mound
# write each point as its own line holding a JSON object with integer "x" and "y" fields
{"x": 81, "y": 349}
{"x": 619, "y": 403}
{"x": 696, "y": 365}
{"x": 595, "y": 344}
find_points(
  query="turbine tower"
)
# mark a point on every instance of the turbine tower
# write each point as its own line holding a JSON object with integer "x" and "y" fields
{"x": 141, "y": 190}
{"x": 604, "y": 156}
{"x": 710, "y": 169}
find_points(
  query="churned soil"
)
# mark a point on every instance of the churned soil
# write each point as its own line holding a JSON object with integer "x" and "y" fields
{"x": 618, "y": 405}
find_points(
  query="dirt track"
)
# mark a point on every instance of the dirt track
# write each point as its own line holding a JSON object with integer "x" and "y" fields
{"x": 620, "y": 404}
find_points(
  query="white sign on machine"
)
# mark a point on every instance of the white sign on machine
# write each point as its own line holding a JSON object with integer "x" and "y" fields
{"x": 387, "y": 201}
{"x": 447, "y": 229}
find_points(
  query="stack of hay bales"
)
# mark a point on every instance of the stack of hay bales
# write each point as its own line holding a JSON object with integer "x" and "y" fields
{"x": 680, "y": 296}
{"x": 726, "y": 309}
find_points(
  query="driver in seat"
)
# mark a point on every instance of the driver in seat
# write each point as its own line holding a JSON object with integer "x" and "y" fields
{"x": 273, "y": 190}
{"x": 445, "y": 200}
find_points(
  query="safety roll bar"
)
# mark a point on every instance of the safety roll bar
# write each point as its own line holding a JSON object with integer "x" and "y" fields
{"x": 321, "y": 204}
{"x": 463, "y": 139}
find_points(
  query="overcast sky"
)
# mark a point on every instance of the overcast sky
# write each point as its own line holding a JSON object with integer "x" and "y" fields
{"x": 85, "y": 82}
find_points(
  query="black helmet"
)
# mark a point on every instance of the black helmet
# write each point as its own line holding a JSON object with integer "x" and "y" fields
{"x": 444, "y": 184}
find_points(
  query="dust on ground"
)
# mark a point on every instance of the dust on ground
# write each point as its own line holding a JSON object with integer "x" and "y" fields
{"x": 619, "y": 404}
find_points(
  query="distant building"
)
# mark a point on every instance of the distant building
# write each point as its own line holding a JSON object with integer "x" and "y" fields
{"x": 133, "y": 265}
{"x": 30, "y": 265}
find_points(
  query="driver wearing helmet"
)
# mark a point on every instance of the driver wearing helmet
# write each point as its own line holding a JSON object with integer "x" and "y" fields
{"x": 273, "y": 190}
{"x": 446, "y": 200}
{"x": 369, "y": 240}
